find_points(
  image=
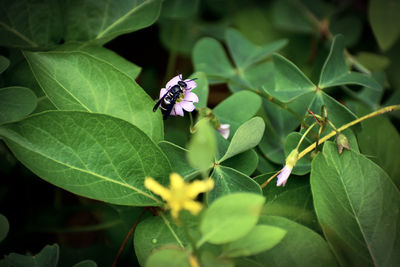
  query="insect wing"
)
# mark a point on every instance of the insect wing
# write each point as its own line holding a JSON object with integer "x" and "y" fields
{"x": 159, "y": 101}
{"x": 169, "y": 108}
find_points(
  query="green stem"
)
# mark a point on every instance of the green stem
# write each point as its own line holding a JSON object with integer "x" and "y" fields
{"x": 190, "y": 239}
{"x": 344, "y": 127}
{"x": 305, "y": 134}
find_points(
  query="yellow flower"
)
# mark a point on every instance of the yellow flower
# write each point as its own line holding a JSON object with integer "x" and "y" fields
{"x": 180, "y": 194}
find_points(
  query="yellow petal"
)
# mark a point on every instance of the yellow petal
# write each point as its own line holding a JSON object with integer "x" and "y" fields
{"x": 193, "y": 262}
{"x": 176, "y": 181}
{"x": 198, "y": 187}
{"x": 154, "y": 186}
{"x": 193, "y": 206}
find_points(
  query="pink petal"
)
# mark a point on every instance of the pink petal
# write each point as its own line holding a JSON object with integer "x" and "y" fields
{"x": 173, "y": 112}
{"x": 187, "y": 105}
{"x": 224, "y": 130}
{"x": 178, "y": 109}
{"x": 173, "y": 81}
{"x": 163, "y": 91}
{"x": 191, "y": 97}
{"x": 283, "y": 176}
{"x": 190, "y": 84}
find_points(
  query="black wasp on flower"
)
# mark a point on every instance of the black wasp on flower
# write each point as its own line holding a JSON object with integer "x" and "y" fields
{"x": 176, "y": 97}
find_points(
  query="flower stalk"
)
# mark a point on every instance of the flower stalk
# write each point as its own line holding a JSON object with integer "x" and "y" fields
{"x": 336, "y": 131}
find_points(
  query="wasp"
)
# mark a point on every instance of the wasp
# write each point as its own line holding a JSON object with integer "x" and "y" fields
{"x": 168, "y": 100}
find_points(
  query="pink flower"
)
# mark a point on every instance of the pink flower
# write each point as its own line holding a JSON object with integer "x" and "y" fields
{"x": 291, "y": 161}
{"x": 185, "y": 101}
{"x": 284, "y": 175}
{"x": 224, "y": 130}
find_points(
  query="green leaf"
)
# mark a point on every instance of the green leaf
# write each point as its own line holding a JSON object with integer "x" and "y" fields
{"x": 245, "y": 103}
{"x": 16, "y": 103}
{"x": 177, "y": 156}
{"x": 245, "y": 162}
{"x": 154, "y": 233}
{"x": 357, "y": 206}
{"x": 335, "y": 71}
{"x": 201, "y": 90}
{"x": 279, "y": 122}
{"x": 210, "y": 260}
{"x": 300, "y": 246}
{"x": 293, "y": 201}
{"x": 85, "y": 263}
{"x": 216, "y": 64}
{"x": 246, "y": 137}
{"x": 303, "y": 166}
{"x": 202, "y": 147}
{"x": 179, "y": 9}
{"x": 230, "y": 217}
{"x": 228, "y": 180}
{"x": 245, "y": 53}
{"x": 104, "y": 54}
{"x": 174, "y": 257}
{"x": 4, "y": 64}
{"x": 92, "y": 155}
{"x": 79, "y": 81}
{"x": 374, "y": 62}
{"x": 288, "y": 15}
{"x": 26, "y": 24}
{"x": 349, "y": 25}
{"x": 290, "y": 82}
{"x": 99, "y": 23}
{"x": 380, "y": 141}
{"x": 47, "y": 257}
{"x": 259, "y": 239}
{"x": 383, "y": 16}
{"x": 4, "y": 227}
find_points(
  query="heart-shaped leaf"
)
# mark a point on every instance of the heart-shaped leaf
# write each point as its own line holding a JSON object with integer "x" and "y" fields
{"x": 228, "y": 180}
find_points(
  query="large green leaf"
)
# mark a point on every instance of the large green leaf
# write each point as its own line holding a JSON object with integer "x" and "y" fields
{"x": 228, "y": 180}
{"x": 357, "y": 206}
{"x": 244, "y": 103}
{"x": 30, "y": 24}
{"x": 245, "y": 53}
{"x": 79, "y": 81}
{"x": 383, "y": 17}
{"x": 16, "y": 103}
{"x": 99, "y": 22}
{"x": 47, "y": 257}
{"x": 300, "y": 246}
{"x": 92, "y": 155}
{"x": 335, "y": 71}
{"x": 178, "y": 158}
{"x": 246, "y": 137}
{"x": 230, "y": 217}
{"x": 380, "y": 141}
{"x": 154, "y": 233}
{"x": 216, "y": 64}
{"x": 106, "y": 55}
{"x": 290, "y": 82}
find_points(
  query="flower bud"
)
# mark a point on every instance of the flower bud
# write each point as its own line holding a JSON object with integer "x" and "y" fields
{"x": 342, "y": 142}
